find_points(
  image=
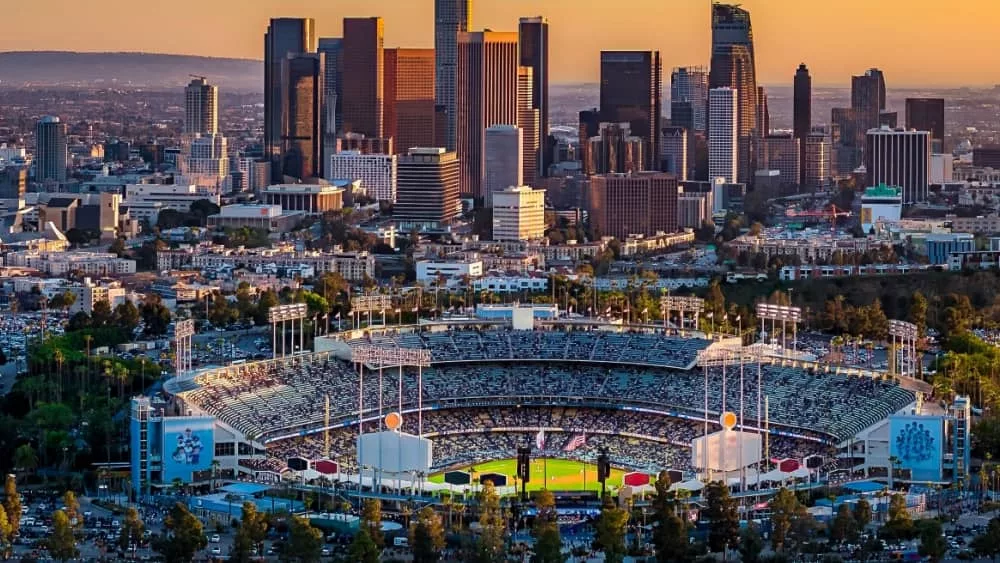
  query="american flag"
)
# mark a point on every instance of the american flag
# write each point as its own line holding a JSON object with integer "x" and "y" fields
{"x": 540, "y": 440}
{"x": 578, "y": 441}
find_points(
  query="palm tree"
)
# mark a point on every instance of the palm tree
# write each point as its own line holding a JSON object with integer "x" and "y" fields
{"x": 60, "y": 359}
{"x": 25, "y": 458}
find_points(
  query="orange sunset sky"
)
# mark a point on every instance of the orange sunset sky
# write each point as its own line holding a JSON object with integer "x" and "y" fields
{"x": 916, "y": 42}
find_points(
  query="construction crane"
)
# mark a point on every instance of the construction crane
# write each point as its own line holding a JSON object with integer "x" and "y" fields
{"x": 830, "y": 214}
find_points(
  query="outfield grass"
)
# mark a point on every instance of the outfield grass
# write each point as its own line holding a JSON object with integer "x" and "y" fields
{"x": 563, "y": 474}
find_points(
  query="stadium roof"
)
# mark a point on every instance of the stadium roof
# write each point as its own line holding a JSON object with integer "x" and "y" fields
{"x": 244, "y": 488}
{"x": 864, "y": 486}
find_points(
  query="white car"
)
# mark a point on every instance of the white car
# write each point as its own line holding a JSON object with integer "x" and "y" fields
{"x": 216, "y": 550}
{"x": 216, "y": 538}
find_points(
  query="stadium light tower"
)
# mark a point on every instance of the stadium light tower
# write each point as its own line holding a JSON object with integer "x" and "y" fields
{"x": 671, "y": 303}
{"x": 783, "y": 314}
{"x": 282, "y": 314}
{"x": 183, "y": 334}
{"x": 904, "y": 339}
{"x": 369, "y": 303}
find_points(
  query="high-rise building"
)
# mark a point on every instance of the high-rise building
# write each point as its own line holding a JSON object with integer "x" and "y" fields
{"x": 533, "y": 34}
{"x": 868, "y": 98}
{"x": 689, "y": 98}
{"x": 487, "y": 95}
{"x": 50, "y": 150}
{"x": 615, "y": 150}
{"x": 763, "y": 115}
{"x": 409, "y": 98}
{"x": 781, "y": 152}
{"x": 528, "y": 120}
{"x": 302, "y": 116}
{"x": 204, "y": 160}
{"x": 589, "y": 126}
{"x": 723, "y": 134}
{"x": 633, "y": 204}
{"x": 364, "y": 145}
{"x": 802, "y": 102}
{"x": 817, "y": 160}
{"x": 898, "y": 157}
{"x": 674, "y": 152}
{"x": 13, "y": 181}
{"x": 201, "y": 107}
{"x": 927, "y": 114}
{"x": 518, "y": 214}
{"x": 284, "y": 37}
{"x": 845, "y": 137}
{"x": 451, "y": 17}
{"x": 364, "y": 76}
{"x": 427, "y": 188}
{"x": 631, "y": 92}
{"x": 733, "y": 66}
{"x": 377, "y": 172}
{"x": 504, "y": 159}
{"x": 333, "y": 83}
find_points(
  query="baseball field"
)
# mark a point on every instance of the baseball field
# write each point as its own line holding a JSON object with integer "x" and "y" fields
{"x": 561, "y": 474}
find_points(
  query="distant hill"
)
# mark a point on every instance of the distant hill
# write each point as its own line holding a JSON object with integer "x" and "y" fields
{"x": 66, "y": 68}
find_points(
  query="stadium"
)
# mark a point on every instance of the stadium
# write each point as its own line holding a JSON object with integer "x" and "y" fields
{"x": 569, "y": 389}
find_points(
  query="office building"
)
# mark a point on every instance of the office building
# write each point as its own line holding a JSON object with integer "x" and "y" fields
{"x": 723, "y": 134}
{"x": 518, "y": 214}
{"x": 302, "y": 116}
{"x": 313, "y": 199}
{"x": 533, "y": 35}
{"x": 409, "y": 98}
{"x": 50, "y": 150}
{"x": 333, "y": 83}
{"x": 206, "y": 159}
{"x": 631, "y": 92}
{"x": 13, "y": 182}
{"x": 674, "y": 152}
{"x": 847, "y": 144}
{"x": 615, "y": 150}
{"x": 504, "y": 159}
{"x": 817, "y": 163}
{"x": 763, "y": 115}
{"x": 589, "y": 127}
{"x": 377, "y": 172}
{"x": 940, "y": 246}
{"x": 451, "y": 17}
{"x": 284, "y": 37}
{"x": 689, "y": 98}
{"x": 733, "y": 66}
{"x": 644, "y": 203}
{"x": 868, "y": 101}
{"x": 487, "y": 95}
{"x": 986, "y": 157}
{"x": 898, "y": 157}
{"x": 781, "y": 152}
{"x": 364, "y": 71}
{"x": 802, "y": 108}
{"x": 365, "y": 145}
{"x": 427, "y": 188}
{"x": 927, "y": 114}
{"x": 694, "y": 208}
{"x": 201, "y": 107}
{"x": 528, "y": 120}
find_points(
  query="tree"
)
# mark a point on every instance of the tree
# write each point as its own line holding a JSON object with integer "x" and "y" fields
{"x": 155, "y": 314}
{"x": 131, "y": 532}
{"x": 118, "y": 247}
{"x": 371, "y": 520}
{"x": 988, "y": 542}
{"x": 305, "y": 543}
{"x": 670, "y": 535}
{"x": 12, "y": 503}
{"x": 72, "y": 509}
{"x": 6, "y": 536}
{"x": 363, "y": 548}
{"x": 490, "y": 547}
{"x": 100, "y": 314}
{"x": 785, "y": 508}
{"x": 844, "y": 526}
{"x": 932, "y": 542}
{"x": 25, "y": 458}
{"x": 900, "y": 524}
{"x": 609, "y": 532}
{"x": 751, "y": 544}
{"x": 126, "y": 316}
{"x": 548, "y": 543}
{"x": 61, "y": 542}
{"x": 183, "y": 536}
{"x": 251, "y": 533}
{"x": 862, "y": 515}
{"x": 723, "y": 518}
{"x": 428, "y": 536}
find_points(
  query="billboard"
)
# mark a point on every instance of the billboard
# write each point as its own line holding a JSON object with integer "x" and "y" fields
{"x": 394, "y": 452}
{"x": 917, "y": 442}
{"x": 188, "y": 446}
{"x": 720, "y": 451}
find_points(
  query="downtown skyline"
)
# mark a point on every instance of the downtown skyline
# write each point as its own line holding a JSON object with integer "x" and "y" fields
{"x": 786, "y": 34}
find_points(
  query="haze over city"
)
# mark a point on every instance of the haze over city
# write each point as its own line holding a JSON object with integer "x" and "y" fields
{"x": 915, "y": 42}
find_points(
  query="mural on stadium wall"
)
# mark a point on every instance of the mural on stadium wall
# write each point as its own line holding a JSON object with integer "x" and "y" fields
{"x": 918, "y": 443}
{"x": 188, "y": 446}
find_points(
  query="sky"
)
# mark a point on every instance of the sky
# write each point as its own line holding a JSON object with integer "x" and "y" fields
{"x": 915, "y": 42}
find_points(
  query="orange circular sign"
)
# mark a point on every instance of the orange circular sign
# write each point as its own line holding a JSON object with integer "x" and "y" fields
{"x": 393, "y": 421}
{"x": 728, "y": 420}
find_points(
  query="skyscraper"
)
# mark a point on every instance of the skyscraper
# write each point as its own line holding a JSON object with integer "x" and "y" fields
{"x": 528, "y": 120}
{"x": 817, "y": 160}
{"x": 733, "y": 66}
{"x": 504, "y": 159}
{"x": 897, "y": 157}
{"x": 333, "y": 83}
{"x": 723, "y": 134}
{"x": 689, "y": 98}
{"x": 451, "y": 17}
{"x": 625, "y": 204}
{"x": 615, "y": 150}
{"x": 631, "y": 92}
{"x": 763, "y": 115}
{"x": 802, "y": 110}
{"x": 487, "y": 95}
{"x": 781, "y": 152}
{"x": 285, "y": 36}
{"x": 427, "y": 188}
{"x": 302, "y": 116}
{"x": 409, "y": 98}
{"x": 927, "y": 114}
{"x": 533, "y": 34}
{"x": 50, "y": 150}
{"x": 674, "y": 152}
{"x": 363, "y": 76}
{"x": 201, "y": 107}
{"x": 868, "y": 98}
